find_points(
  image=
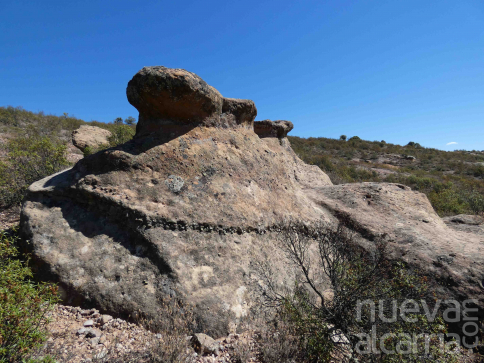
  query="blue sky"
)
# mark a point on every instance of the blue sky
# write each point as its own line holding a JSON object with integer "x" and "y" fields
{"x": 398, "y": 71}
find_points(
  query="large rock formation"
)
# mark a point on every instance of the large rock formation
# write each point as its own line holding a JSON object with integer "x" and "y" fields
{"x": 196, "y": 199}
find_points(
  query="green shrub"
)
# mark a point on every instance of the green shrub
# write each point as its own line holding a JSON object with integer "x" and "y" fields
{"x": 474, "y": 201}
{"x": 88, "y": 150}
{"x": 24, "y": 305}
{"x": 121, "y": 134}
{"x": 130, "y": 120}
{"x": 478, "y": 171}
{"x": 28, "y": 160}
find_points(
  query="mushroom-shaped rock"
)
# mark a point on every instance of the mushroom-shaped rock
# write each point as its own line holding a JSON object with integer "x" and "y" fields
{"x": 268, "y": 128}
{"x": 172, "y": 99}
{"x": 239, "y": 112}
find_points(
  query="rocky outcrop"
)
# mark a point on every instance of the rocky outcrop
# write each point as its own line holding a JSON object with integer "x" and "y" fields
{"x": 90, "y": 136}
{"x": 74, "y": 154}
{"x": 186, "y": 208}
{"x": 173, "y": 101}
{"x": 414, "y": 233}
{"x": 239, "y": 112}
{"x": 196, "y": 201}
{"x": 268, "y": 128}
{"x": 466, "y": 223}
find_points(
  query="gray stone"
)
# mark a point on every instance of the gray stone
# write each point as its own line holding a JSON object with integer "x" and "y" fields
{"x": 93, "y": 333}
{"x": 106, "y": 318}
{"x": 102, "y": 354}
{"x": 174, "y": 183}
{"x": 94, "y": 342}
{"x": 204, "y": 344}
{"x": 82, "y": 331}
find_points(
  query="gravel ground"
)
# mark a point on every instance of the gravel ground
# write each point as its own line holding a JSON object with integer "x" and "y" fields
{"x": 80, "y": 336}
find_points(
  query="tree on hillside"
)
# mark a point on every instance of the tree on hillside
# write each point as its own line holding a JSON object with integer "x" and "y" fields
{"x": 342, "y": 137}
{"x": 130, "y": 120}
{"x": 118, "y": 120}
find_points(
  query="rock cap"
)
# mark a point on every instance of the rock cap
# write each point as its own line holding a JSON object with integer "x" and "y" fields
{"x": 239, "y": 112}
{"x": 268, "y": 128}
{"x": 173, "y": 101}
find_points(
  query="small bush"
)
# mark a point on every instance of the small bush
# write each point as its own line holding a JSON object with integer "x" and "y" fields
{"x": 475, "y": 200}
{"x": 88, "y": 150}
{"x": 28, "y": 160}
{"x": 121, "y": 134}
{"x": 24, "y": 305}
{"x": 447, "y": 202}
{"x": 130, "y": 120}
{"x": 279, "y": 343}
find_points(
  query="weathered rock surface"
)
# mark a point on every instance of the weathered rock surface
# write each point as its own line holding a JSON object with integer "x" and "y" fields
{"x": 173, "y": 100}
{"x": 90, "y": 136}
{"x": 197, "y": 199}
{"x": 203, "y": 344}
{"x": 239, "y": 112}
{"x": 466, "y": 223}
{"x": 268, "y": 128}
{"x": 74, "y": 154}
{"x": 414, "y": 232}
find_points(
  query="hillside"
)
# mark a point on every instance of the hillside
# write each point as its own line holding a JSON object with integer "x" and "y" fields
{"x": 453, "y": 181}
{"x": 34, "y": 145}
{"x": 15, "y": 121}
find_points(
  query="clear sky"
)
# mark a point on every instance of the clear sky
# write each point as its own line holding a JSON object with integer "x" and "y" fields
{"x": 392, "y": 70}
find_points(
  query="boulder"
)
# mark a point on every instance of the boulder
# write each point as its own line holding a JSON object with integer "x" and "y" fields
{"x": 464, "y": 219}
{"x": 171, "y": 100}
{"x": 239, "y": 112}
{"x": 196, "y": 201}
{"x": 268, "y": 128}
{"x": 414, "y": 233}
{"x": 90, "y": 136}
{"x": 204, "y": 344}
